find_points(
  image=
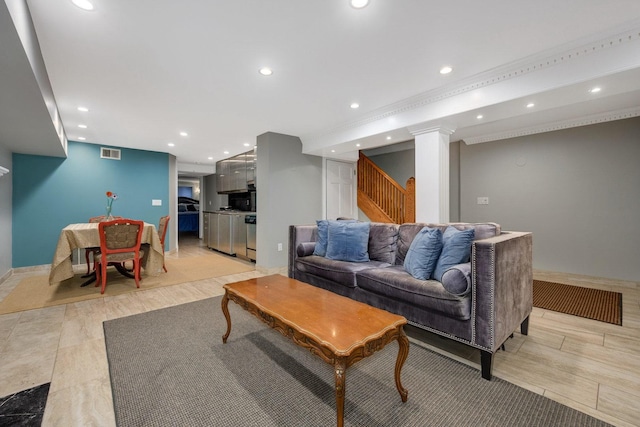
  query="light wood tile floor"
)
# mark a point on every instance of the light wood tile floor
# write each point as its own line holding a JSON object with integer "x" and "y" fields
{"x": 588, "y": 365}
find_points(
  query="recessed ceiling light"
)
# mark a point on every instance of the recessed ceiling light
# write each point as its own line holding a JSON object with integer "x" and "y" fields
{"x": 246, "y": 144}
{"x": 83, "y": 109}
{"x": 357, "y": 145}
{"x": 83, "y": 4}
{"x": 184, "y": 134}
{"x": 531, "y": 105}
{"x": 479, "y": 116}
{"x": 595, "y": 90}
{"x": 225, "y": 152}
{"x": 210, "y": 158}
{"x": 446, "y": 69}
{"x": 388, "y": 138}
{"x": 82, "y": 138}
{"x": 333, "y": 151}
{"x": 355, "y": 105}
{"x": 265, "y": 71}
{"x": 171, "y": 144}
{"x": 359, "y": 4}
{"x": 82, "y": 126}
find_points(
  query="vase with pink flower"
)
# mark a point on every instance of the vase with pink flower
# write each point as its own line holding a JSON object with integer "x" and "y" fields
{"x": 110, "y": 198}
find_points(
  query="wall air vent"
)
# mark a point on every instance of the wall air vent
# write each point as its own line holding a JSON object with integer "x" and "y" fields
{"x": 109, "y": 153}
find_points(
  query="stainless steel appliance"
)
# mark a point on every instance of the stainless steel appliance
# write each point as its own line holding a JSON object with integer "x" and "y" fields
{"x": 213, "y": 230}
{"x": 225, "y": 233}
{"x": 239, "y": 235}
{"x": 250, "y": 222}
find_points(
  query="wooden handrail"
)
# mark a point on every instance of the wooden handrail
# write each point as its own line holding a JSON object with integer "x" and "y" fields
{"x": 377, "y": 188}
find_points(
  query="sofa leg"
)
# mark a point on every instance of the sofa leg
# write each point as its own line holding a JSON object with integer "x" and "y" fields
{"x": 524, "y": 326}
{"x": 486, "y": 360}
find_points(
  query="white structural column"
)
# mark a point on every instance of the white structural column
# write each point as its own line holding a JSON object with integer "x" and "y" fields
{"x": 432, "y": 174}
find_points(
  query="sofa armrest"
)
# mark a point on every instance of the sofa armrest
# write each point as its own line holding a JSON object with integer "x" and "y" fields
{"x": 299, "y": 234}
{"x": 502, "y": 286}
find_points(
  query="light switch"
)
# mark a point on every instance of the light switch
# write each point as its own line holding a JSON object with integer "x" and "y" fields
{"x": 483, "y": 200}
{"x": 156, "y": 202}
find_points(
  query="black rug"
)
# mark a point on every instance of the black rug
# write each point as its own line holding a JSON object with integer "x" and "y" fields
{"x": 24, "y": 408}
{"x": 169, "y": 368}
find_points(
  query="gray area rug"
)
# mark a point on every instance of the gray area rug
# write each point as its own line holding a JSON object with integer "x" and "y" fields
{"x": 169, "y": 368}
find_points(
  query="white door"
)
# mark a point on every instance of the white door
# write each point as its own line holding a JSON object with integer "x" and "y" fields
{"x": 341, "y": 190}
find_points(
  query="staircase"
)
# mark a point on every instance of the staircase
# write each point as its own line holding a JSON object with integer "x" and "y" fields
{"x": 381, "y": 198}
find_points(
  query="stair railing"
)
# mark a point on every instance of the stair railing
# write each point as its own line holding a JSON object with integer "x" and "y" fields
{"x": 381, "y": 198}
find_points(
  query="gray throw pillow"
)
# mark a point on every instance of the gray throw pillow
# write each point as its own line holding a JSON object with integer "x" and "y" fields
{"x": 305, "y": 248}
{"x": 457, "y": 279}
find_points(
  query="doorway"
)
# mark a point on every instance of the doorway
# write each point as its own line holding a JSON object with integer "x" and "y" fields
{"x": 341, "y": 187}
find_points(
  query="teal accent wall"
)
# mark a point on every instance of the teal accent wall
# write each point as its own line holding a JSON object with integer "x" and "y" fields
{"x": 50, "y": 193}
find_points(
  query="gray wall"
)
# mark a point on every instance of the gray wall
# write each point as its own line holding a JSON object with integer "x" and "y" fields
{"x": 577, "y": 190}
{"x": 5, "y": 213}
{"x": 399, "y": 165}
{"x": 289, "y": 191}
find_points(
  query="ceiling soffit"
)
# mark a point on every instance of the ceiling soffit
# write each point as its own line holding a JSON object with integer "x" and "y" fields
{"x": 578, "y": 62}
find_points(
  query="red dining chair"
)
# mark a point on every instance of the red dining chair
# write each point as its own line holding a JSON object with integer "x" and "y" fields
{"x": 162, "y": 231}
{"x": 93, "y": 250}
{"x": 120, "y": 241}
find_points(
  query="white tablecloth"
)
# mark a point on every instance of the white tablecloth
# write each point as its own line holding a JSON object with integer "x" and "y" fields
{"x": 85, "y": 235}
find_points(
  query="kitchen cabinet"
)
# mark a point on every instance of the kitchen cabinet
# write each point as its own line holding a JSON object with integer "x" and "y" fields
{"x": 251, "y": 168}
{"x": 205, "y": 228}
{"x": 223, "y": 178}
{"x": 236, "y": 173}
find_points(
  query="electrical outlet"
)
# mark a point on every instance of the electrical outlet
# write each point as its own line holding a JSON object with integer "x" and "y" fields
{"x": 483, "y": 200}
{"x": 279, "y": 247}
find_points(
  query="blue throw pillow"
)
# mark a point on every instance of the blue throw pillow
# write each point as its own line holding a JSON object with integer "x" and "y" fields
{"x": 321, "y": 239}
{"x": 423, "y": 253}
{"x": 456, "y": 249}
{"x": 348, "y": 241}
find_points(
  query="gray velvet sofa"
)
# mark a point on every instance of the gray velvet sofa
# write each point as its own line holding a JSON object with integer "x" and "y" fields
{"x": 497, "y": 301}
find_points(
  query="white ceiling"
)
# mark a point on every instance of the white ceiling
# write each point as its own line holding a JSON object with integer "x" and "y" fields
{"x": 148, "y": 69}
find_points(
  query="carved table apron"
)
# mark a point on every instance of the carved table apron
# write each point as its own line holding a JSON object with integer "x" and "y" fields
{"x": 339, "y": 330}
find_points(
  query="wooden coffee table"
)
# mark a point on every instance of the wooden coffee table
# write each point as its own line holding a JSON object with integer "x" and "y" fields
{"x": 339, "y": 330}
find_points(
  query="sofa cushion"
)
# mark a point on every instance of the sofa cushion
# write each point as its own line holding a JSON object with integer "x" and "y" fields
{"x": 341, "y": 272}
{"x": 457, "y": 279}
{"x": 482, "y": 230}
{"x": 383, "y": 242}
{"x": 423, "y": 253}
{"x": 456, "y": 249}
{"x": 321, "y": 239}
{"x": 348, "y": 241}
{"x": 406, "y": 234}
{"x": 394, "y": 282}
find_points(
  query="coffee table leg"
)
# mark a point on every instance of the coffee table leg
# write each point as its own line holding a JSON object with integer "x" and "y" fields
{"x": 403, "y": 353}
{"x": 340, "y": 368}
{"x": 225, "y": 310}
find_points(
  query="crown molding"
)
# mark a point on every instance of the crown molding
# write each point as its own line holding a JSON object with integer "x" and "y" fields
{"x": 560, "y": 125}
{"x": 563, "y": 54}
{"x": 420, "y": 129}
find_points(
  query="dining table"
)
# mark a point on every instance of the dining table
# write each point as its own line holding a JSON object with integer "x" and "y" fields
{"x": 86, "y": 235}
